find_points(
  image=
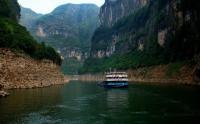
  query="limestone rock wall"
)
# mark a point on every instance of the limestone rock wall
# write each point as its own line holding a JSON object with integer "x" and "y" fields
{"x": 113, "y": 10}
{"x": 19, "y": 71}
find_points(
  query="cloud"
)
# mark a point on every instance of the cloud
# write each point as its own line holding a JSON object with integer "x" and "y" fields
{"x": 46, "y": 6}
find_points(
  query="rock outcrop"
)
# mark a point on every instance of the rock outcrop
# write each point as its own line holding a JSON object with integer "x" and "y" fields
{"x": 68, "y": 29}
{"x": 3, "y": 94}
{"x": 69, "y": 26}
{"x": 113, "y": 10}
{"x": 20, "y": 71}
{"x": 139, "y": 33}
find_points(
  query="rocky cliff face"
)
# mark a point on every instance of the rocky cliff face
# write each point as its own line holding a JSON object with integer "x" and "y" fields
{"x": 69, "y": 26}
{"x": 145, "y": 23}
{"x": 152, "y": 32}
{"x": 113, "y": 10}
{"x": 20, "y": 71}
{"x": 75, "y": 53}
{"x": 68, "y": 29}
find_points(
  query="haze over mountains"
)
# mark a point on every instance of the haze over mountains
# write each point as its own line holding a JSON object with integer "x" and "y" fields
{"x": 68, "y": 28}
{"x": 130, "y": 34}
{"x": 28, "y": 17}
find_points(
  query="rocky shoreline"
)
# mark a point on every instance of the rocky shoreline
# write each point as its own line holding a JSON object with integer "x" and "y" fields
{"x": 174, "y": 73}
{"x": 20, "y": 71}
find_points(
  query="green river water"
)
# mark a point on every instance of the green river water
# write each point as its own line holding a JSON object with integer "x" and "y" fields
{"x": 86, "y": 103}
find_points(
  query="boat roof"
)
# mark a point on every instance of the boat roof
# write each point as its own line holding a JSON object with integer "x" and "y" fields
{"x": 116, "y": 73}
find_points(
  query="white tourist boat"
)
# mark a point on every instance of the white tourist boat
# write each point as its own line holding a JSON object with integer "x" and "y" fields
{"x": 115, "y": 80}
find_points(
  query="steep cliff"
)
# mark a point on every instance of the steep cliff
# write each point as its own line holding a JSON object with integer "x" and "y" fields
{"x": 68, "y": 29}
{"x": 113, "y": 10}
{"x": 157, "y": 32}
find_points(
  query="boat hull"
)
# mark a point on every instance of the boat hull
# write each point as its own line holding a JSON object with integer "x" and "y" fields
{"x": 114, "y": 84}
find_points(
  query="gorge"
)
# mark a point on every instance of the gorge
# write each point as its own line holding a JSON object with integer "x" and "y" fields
{"x": 143, "y": 33}
{"x": 68, "y": 28}
{"x": 155, "y": 42}
{"x": 131, "y": 34}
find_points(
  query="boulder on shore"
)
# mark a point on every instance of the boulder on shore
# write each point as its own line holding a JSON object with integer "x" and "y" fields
{"x": 3, "y": 94}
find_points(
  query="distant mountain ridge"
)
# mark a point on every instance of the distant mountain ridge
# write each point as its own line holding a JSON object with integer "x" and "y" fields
{"x": 68, "y": 28}
{"x": 28, "y": 17}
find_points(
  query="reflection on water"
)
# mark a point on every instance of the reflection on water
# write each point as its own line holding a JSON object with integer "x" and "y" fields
{"x": 117, "y": 98}
{"x": 23, "y": 101}
{"x": 39, "y": 118}
{"x": 86, "y": 103}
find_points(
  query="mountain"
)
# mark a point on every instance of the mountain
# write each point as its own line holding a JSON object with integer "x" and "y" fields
{"x": 68, "y": 29}
{"x": 24, "y": 63}
{"x": 28, "y": 17}
{"x": 17, "y": 38}
{"x": 113, "y": 10}
{"x": 141, "y": 33}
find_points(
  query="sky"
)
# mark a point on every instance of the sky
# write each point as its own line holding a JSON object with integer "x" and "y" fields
{"x": 46, "y": 6}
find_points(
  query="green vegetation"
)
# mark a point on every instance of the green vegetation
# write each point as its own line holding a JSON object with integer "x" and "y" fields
{"x": 28, "y": 17}
{"x": 143, "y": 26}
{"x": 9, "y": 9}
{"x": 174, "y": 68}
{"x": 14, "y": 36}
{"x": 69, "y": 27}
{"x": 131, "y": 60}
{"x": 63, "y": 28}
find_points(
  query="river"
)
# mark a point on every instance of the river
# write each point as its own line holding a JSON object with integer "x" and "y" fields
{"x": 86, "y": 103}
